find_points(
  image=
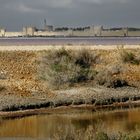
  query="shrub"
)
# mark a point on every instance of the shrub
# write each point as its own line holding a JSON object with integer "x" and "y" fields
{"x": 2, "y": 88}
{"x": 85, "y": 58}
{"x": 129, "y": 57}
{"x": 59, "y": 67}
{"x": 106, "y": 77}
{"x": 102, "y": 136}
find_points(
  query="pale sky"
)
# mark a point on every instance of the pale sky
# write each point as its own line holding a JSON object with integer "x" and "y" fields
{"x": 14, "y": 14}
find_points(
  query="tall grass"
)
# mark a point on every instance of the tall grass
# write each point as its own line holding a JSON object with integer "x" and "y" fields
{"x": 93, "y": 133}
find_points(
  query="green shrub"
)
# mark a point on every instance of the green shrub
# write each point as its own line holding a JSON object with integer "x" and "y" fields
{"x": 129, "y": 57}
{"x": 102, "y": 136}
{"x": 64, "y": 67}
{"x": 131, "y": 136}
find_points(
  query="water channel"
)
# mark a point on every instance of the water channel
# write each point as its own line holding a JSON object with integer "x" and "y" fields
{"x": 50, "y": 125}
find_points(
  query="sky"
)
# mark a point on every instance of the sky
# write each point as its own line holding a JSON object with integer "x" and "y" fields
{"x": 14, "y": 14}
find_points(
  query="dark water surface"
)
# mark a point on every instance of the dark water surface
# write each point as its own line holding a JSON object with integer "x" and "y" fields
{"x": 48, "y": 126}
{"x": 71, "y": 41}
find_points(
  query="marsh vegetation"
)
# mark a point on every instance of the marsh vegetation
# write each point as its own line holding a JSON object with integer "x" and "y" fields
{"x": 66, "y": 68}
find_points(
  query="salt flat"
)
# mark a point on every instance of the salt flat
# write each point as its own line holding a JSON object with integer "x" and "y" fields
{"x": 70, "y": 47}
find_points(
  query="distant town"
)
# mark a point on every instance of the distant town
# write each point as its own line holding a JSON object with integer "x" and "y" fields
{"x": 50, "y": 31}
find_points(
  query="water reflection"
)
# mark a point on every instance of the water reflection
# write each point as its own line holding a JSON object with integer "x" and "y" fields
{"x": 46, "y": 126}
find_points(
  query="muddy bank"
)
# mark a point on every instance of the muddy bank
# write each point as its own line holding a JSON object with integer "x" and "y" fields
{"x": 69, "y": 109}
{"x": 68, "y": 100}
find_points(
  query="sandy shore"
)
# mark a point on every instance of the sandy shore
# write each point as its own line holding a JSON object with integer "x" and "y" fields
{"x": 70, "y": 47}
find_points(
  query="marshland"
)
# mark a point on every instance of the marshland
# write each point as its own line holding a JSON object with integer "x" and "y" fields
{"x": 66, "y": 80}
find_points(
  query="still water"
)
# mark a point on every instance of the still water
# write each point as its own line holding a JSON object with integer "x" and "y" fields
{"x": 47, "y": 126}
{"x": 71, "y": 41}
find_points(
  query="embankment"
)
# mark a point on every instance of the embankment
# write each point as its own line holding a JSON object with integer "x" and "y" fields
{"x": 114, "y": 80}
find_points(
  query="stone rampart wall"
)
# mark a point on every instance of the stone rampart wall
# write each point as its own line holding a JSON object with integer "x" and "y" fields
{"x": 106, "y": 33}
